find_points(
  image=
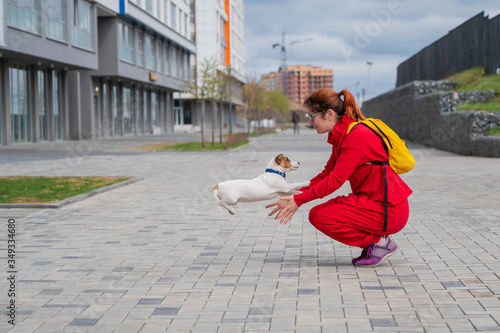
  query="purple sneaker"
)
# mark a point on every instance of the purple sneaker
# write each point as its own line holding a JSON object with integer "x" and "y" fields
{"x": 362, "y": 256}
{"x": 375, "y": 254}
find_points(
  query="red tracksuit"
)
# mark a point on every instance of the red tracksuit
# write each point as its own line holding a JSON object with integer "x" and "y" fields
{"x": 356, "y": 219}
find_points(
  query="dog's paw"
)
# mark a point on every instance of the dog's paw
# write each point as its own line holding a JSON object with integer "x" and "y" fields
{"x": 306, "y": 183}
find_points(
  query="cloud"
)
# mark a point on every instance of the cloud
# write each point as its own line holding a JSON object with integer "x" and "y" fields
{"x": 345, "y": 35}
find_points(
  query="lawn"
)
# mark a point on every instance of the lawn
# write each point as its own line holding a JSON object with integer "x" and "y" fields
{"x": 476, "y": 79}
{"x": 49, "y": 189}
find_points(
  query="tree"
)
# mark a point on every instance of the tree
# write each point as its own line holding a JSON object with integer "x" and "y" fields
{"x": 258, "y": 97}
{"x": 202, "y": 88}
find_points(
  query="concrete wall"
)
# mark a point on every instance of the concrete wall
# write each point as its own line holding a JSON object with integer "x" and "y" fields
{"x": 423, "y": 113}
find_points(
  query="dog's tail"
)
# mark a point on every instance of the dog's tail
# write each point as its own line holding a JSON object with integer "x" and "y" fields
{"x": 215, "y": 192}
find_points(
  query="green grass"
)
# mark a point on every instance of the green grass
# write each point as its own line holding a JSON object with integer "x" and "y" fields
{"x": 495, "y": 131}
{"x": 196, "y": 146}
{"x": 49, "y": 189}
{"x": 476, "y": 79}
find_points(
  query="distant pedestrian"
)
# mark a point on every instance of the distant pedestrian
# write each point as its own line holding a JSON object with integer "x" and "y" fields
{"x": 295, "y": 120}
{"x": 358, "y": 218}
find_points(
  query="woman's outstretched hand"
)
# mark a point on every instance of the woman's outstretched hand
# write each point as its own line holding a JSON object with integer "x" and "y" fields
{"x": 286, "y": 208}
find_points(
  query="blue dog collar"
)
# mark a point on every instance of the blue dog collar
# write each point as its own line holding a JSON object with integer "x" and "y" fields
{"x": 277, "y": 172}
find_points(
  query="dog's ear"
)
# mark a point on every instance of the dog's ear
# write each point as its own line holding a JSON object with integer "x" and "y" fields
{"x": 278, "y": 158}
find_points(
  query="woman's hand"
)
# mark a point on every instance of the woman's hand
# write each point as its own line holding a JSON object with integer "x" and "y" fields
{"x": 286, "y": 208}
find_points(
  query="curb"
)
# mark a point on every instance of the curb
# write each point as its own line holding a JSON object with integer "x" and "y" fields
{"x": 75, "y": 198}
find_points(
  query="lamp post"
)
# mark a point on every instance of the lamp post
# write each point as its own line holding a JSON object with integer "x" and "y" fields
{"x": 369, "y": 63}
{"x": 229, "y": 100}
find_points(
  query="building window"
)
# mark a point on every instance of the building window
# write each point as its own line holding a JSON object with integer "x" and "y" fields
{"x": 165, "y": 12}
{"x": 186, "y": 33}
{"x": 150, "y": 53}
{"x": 149, "y": 7}
{"x": 173, "y": 13}
{"x": 83, "y": 24}
{"x": 174, "y": 65}
{"x": 137, "y": 112}
{"x": 55, "y": 19}
{"x": 105, "y": 110}
{"x": 116, "y": 113}
{"x": 20, "y": 117}
{"x": 160, "y": 57}
{"x": 24, "y": 15}
{"x": 166, "y": 58}
{"x": 43, "y": 116}
{"x": 155, "y": 116}
{"x": 56, "y": 105}
{"x": 126, "y": 41}
{"x": 145, "y": 117}
{"x": 140, "y": 49}
{"x": 128, "y": 119}
{"x": 186, "y": 66}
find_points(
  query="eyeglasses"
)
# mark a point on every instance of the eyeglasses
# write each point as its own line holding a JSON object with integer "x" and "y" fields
{"x": 311, "y": 116}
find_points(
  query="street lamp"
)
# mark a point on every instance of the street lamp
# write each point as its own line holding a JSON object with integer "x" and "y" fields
{"x": 229, "y": 69}
{"x": 369, "y": 63}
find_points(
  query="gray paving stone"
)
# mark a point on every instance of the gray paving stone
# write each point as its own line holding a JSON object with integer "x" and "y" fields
{"x": 157, "y": 255}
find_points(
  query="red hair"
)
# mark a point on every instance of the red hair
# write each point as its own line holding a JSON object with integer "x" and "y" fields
{"x": 325, "y": 99}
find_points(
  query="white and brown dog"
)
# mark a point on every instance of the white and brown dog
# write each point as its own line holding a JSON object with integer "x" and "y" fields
{"x": 264, "y": 187}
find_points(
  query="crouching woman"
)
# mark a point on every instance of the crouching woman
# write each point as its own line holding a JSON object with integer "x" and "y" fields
{"x": 358, "y": 218}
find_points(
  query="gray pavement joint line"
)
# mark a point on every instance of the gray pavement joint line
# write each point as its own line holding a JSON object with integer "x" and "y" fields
{"x": 75, "y": 198}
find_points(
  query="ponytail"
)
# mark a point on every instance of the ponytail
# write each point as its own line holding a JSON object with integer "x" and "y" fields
{"x": 351, "y": 108}
{"x": 324, "y": 99}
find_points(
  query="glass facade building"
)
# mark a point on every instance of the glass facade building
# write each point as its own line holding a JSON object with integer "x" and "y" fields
{"x": 78, "y": 69}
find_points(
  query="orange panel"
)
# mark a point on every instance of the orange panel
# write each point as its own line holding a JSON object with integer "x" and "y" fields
{"x": 227, "y": 32}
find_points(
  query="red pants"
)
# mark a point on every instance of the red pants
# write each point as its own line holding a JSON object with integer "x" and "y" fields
{"x": 357, "y": 221}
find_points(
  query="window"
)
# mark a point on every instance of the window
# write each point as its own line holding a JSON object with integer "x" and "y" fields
{"x": 137, "y": 112}
{"x": 126, "y": 41}
{"x": 149, "y": 7}
{"x": 145, "y": 112}
{"x": 20, "y": 116}
{"x": 55, "y": 17}
{"x": 150, "y": 53}
{"x": 186, "y": 66}
{"x": 43, "y": 116}
{"x": 173, "y": 13}
{"x": 179, "y": 26}
{"x": 105, "y": 110}
{"x": 166, "y": 60}
{"x": 160, "y": 62}
{"x": 174, "y": 65}
{"x": 155, "y": 116}
{"x": 83, "y": 24}
{"x": 116, "y": 113}
{"x": 128, "y": 119}
{"x": 24, "y": 15}
{"x": 186, "y": 33}
{"x": 56, "y": 105}
{"x": 165, "y": 12}
{"x": 140, "y": 49}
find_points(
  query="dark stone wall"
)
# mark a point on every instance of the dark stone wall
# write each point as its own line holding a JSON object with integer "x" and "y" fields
{"x": 421, "y": 112}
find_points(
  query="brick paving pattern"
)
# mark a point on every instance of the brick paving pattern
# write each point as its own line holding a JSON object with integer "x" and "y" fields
{"x": 158, "y": 256}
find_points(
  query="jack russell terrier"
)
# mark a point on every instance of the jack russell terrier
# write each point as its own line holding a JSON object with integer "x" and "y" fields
{"x": 264, "y": 187}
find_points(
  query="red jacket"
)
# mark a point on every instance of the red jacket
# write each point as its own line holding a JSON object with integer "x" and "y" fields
{"x": 347, "y": 162}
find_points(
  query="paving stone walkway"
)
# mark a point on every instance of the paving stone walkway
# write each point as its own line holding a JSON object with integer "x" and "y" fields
{"x": 158, "y": 256}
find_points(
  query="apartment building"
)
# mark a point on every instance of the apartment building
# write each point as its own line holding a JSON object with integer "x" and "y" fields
{"x": 301, "y": 80}
{"x": 218, "y": 29}
{"x": 77, "y": 69}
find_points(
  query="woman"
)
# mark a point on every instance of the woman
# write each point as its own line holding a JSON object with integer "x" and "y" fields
{"x": 356, "y": 219}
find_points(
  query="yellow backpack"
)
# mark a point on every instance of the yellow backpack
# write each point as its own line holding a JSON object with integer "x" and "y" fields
{"x": 400, "y": 158}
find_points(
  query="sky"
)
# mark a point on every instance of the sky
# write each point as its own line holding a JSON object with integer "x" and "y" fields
{"x": 346, "y": 35}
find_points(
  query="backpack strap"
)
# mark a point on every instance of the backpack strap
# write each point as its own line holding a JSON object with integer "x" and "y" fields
{"x": 383, "y": 163}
